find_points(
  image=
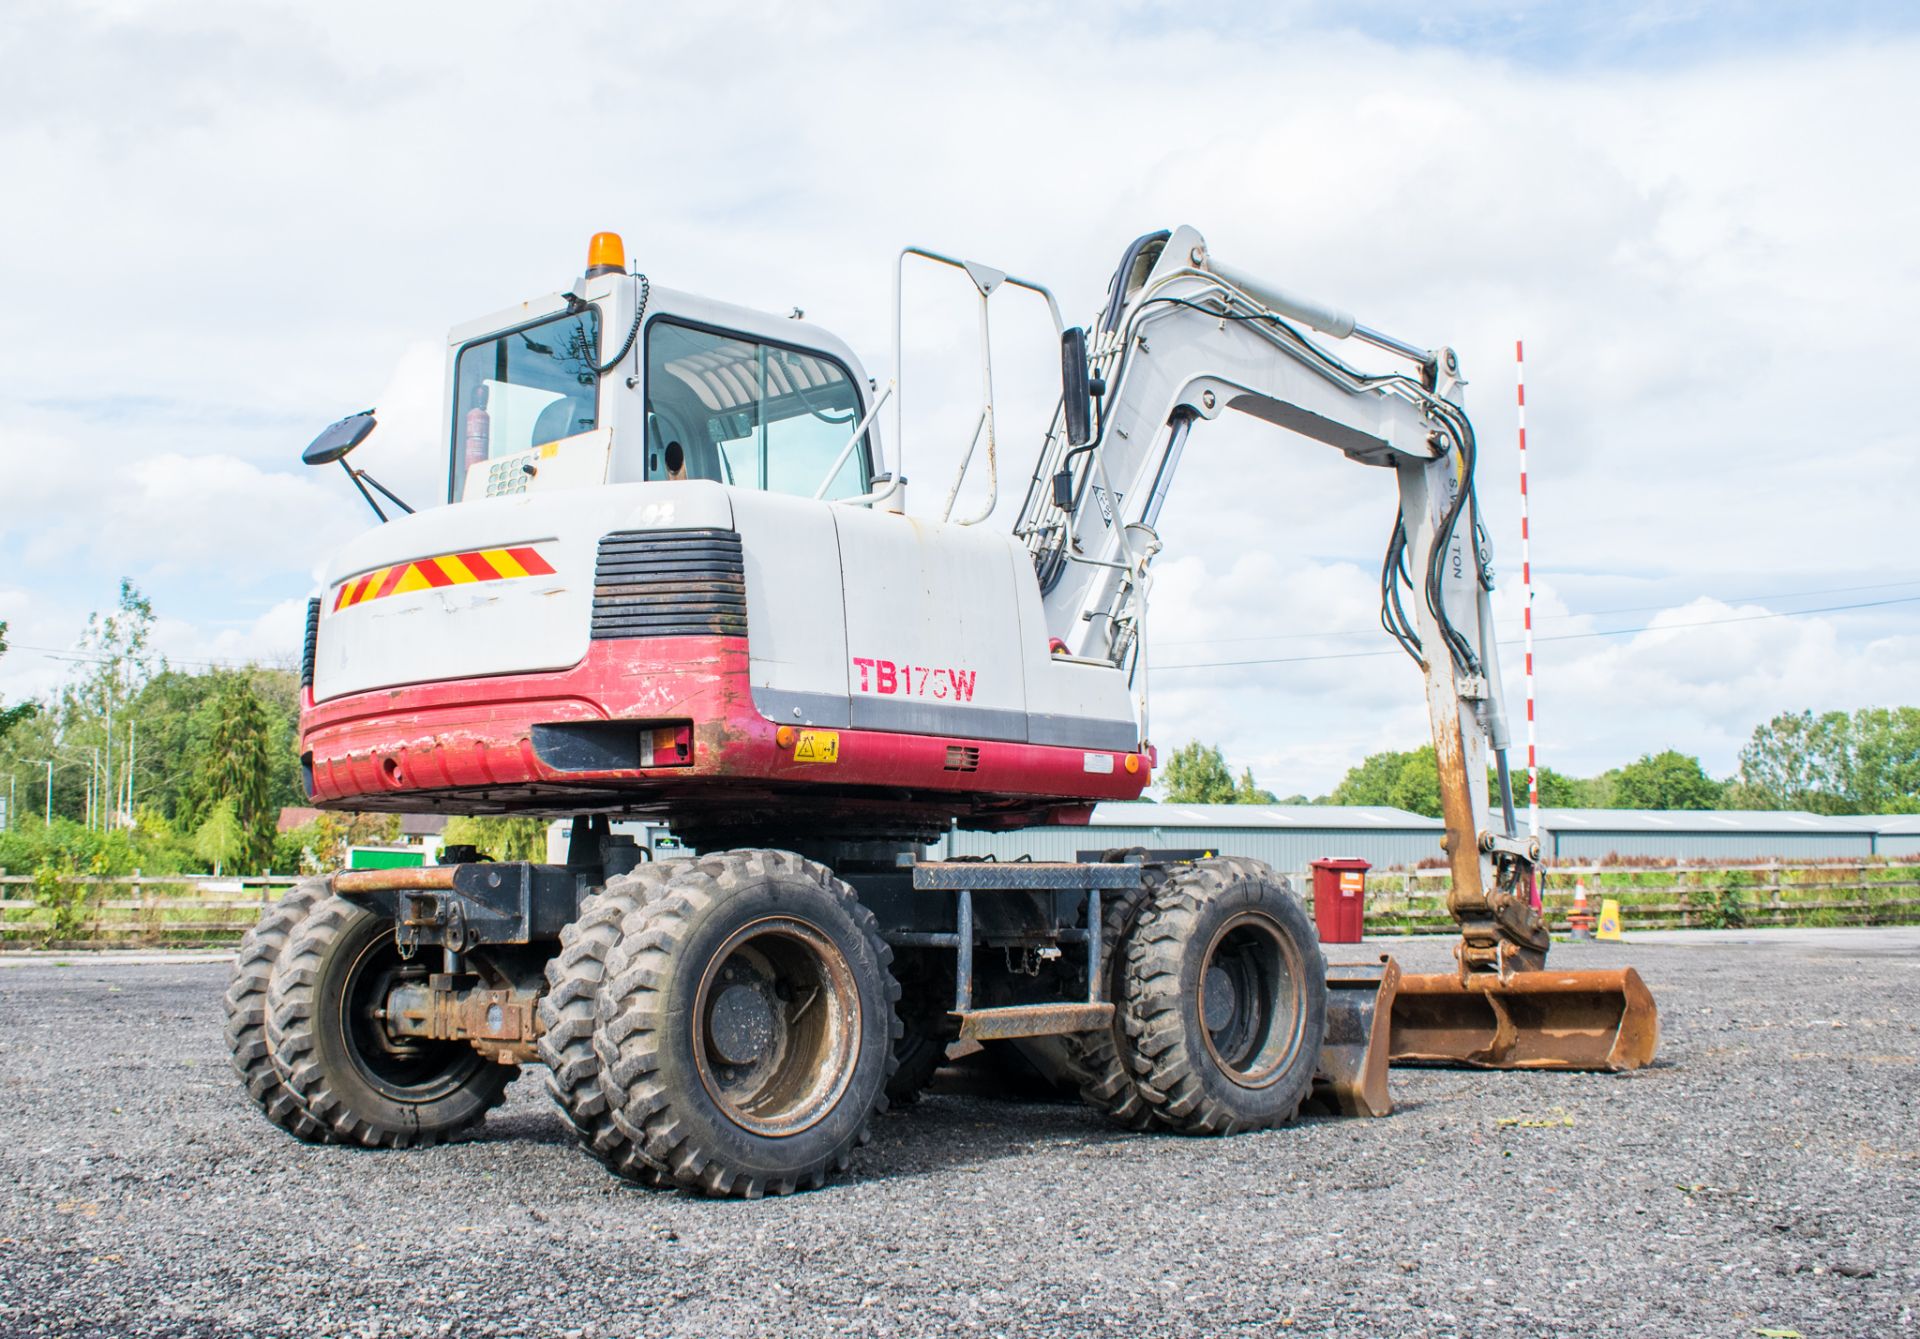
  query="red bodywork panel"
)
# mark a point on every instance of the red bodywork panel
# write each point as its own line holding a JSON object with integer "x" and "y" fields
{"x": 466, "y": 746}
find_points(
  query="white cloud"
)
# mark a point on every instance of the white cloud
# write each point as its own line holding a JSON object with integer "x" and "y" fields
{"x": 1712, "y": 262}
{"x": 272, "y": 638}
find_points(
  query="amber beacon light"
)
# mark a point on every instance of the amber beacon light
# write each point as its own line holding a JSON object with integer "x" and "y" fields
{"x": 606, "y": 254}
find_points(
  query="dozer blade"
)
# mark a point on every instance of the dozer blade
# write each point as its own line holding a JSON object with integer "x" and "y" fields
{"x": 1352, "y": 1077}
{"x": 1535, "y": 1020}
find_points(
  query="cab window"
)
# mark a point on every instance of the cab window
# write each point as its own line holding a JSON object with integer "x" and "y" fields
{"x": 740, "y": 411}
{"x": 523, "y": 389}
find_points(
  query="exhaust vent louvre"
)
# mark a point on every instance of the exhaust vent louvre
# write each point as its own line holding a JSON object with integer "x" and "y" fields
{"x": 669, "y": 583}
{"x": 313, "y": 638}
{"x": 963, "y": 758}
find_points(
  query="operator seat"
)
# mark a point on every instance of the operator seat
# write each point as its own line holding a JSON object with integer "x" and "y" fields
{"x": 565, "y": 417}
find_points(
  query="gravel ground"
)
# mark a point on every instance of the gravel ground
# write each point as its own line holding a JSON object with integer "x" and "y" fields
{"x": 1763, "y": 1178}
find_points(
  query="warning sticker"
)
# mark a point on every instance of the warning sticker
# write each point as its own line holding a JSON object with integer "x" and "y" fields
{"x": 817, "y": 746}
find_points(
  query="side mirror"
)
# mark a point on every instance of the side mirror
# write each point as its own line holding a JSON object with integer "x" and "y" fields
{"x": 339, "y": 438}
{"x": 1063, "y": 490}
{"x": 1076, "y": 396}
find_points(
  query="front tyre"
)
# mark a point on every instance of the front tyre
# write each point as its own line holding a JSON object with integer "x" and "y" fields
{"x": 1225, "y": 999}
{"x": 331, "y": 1046}
{"x": 254, "y": 966}
{"x": 746, "y": 1025}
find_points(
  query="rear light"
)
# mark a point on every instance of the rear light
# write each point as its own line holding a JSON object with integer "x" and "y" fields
{"x": 613, "y": 746}
{"x": 666, "y": 746}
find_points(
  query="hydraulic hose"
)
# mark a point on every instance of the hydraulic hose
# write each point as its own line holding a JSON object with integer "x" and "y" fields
{"x": 633, "y": 331}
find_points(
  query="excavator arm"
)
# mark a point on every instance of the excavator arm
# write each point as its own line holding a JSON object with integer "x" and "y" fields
{"x": 1181, "y": 340}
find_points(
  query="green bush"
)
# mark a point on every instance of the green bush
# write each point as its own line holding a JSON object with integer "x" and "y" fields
{"x": 66, "y": 898}
{"x": 1727, "y": 910}
{"x": 150, "y": 846}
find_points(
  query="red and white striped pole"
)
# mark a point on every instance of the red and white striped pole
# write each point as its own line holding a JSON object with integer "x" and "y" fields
{"x": 1526, "y": 586}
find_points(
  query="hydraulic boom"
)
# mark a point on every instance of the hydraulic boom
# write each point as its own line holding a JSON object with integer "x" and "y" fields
{"x": 1181, "y": 340}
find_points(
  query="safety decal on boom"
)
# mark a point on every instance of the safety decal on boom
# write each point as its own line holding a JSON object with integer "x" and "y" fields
{"x": 446, "y": 569}
{"x": 941, "y": 683}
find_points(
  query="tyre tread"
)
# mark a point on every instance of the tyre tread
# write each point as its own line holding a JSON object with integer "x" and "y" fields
{"x": 567, "y": 1016}
{"x": 293, "y": 1022}
{"x": 1166, "y": 1073}
{"x": 631, "y": 1011}
{"x": 248, "y": 986}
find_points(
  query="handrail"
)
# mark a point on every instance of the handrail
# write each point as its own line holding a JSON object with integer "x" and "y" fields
{"x": 985, "y": 280}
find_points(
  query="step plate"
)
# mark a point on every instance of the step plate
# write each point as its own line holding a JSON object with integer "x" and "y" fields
{"x": 981, "y": 876}
{"x": 1032, "y": 1020}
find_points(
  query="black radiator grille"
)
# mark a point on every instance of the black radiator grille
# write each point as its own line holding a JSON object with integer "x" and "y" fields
{"x": 669, "y": 583}
{"x": 313, "y": 636}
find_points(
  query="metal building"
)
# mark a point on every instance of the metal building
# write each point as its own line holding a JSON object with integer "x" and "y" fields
{"x": 1896, "y": 836}
{"x": 1286, "y": 836}
{"x": 1289, "y": 836}
{"x": 1570, "y": 836}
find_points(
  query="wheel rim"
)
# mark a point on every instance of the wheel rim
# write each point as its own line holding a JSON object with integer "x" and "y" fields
{"x": 405, "y": 1069}
{"x": 1252, "y": 1002}
{"x": 776, "y": 1026}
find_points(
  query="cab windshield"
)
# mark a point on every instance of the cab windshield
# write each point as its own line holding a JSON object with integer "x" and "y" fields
{"x": 523, "y": 389}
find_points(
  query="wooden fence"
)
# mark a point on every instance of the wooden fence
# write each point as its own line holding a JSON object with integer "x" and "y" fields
{"x": 1770, "y": 893}
{"x": 184, "y": 911}
{"x": 201, "y": 912}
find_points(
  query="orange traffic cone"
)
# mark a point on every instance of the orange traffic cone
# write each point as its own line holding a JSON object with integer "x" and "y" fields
{"x": 1581, "y": 921}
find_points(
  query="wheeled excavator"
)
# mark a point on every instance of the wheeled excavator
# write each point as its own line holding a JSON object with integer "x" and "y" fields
{"x": 676, "y": 578}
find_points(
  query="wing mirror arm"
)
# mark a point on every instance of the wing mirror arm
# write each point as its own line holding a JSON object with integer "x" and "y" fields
{"x": 354, "y": 475}
{"x": 335, "y": 441}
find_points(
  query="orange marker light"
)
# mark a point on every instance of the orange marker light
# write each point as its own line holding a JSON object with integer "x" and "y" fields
{"x": 784, "y": 736}
{"x": 606, "y": 254}
{"x": 1133, "y": 762}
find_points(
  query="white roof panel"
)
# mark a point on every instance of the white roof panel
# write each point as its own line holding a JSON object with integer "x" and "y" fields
{"x": 1692, "y": 820}
{"x": 1295, "y": 817}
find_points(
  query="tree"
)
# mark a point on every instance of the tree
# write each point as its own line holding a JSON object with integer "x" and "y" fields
{"x": 500, "y": 838}
{"x": 1197, "y": 774}
{"x": 236, "y": 768}
{"x": 1417, "y": 786}
{"x": 83, "y": 726}
{"x": 1834, "y": 763}
{"x": 322, "y": 846}
{"x": 12, "y": 716}
{"x": 220, "y": 838}
{"x": 1247, "y": 792}
{"x": 174, "y": 731}
{"x": 1370, "y": 782}
{"x": 1669, "y": 780}
{"x": 1797, "y": 761}
{"x": 1393, "y": 779}
{"x": 1885, "y": 776}
{"x": 279, "y": 693}
{"x": 1557, "y": 791}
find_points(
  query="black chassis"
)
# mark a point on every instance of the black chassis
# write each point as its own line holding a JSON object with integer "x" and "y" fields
{"x": 1004, "y": 922}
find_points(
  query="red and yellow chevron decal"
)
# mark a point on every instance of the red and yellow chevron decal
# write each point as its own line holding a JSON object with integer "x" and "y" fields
{"x": 446, "y": 569}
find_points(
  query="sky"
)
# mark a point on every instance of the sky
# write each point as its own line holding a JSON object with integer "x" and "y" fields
{"x": 228, "y": 225}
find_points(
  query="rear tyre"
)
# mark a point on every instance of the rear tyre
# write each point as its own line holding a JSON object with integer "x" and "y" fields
{"x": 926, "y": 1021}
{"x": 574, "y": 977}
{"x": 334, "y": 1053}
{"x": 1225, "y": 999}
{"x": 254, "y": 967}
{"x": 746, "y": 1026}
